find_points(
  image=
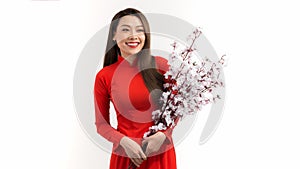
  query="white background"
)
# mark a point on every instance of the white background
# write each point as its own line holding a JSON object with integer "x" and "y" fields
{"x": 42, "y": 40}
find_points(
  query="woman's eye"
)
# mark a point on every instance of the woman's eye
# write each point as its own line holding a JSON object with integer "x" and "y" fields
{"x": 140, "y": 30}
{"x": 125, "y": 29}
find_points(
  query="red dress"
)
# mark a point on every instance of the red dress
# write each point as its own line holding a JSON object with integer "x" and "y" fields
{"x": 123, "y": 85}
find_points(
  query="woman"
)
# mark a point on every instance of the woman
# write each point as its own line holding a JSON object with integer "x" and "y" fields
{"x": 130, "y": 79}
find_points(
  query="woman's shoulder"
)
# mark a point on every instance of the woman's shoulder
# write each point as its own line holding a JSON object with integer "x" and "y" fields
{"x": 107, "y": 71}
{"x": 160, "y": 60}
{"x": 161, "y": 63}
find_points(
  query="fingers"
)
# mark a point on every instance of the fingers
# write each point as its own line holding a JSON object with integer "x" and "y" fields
{"x": 134, "y": 151}
{"x": 137, "y": 161}
{"x": 139, "y": 158}
{"x": 143, "y": 156}
{"x": 153, "y": 143}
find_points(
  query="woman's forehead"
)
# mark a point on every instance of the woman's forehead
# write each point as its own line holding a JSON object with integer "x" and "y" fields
{"x": 130, "y": 20}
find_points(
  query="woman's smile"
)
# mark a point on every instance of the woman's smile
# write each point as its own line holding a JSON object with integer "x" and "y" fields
{"x": 132, "y": 44}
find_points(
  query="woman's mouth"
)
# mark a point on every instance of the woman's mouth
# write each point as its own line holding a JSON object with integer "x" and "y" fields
{"x": 132, "y": 44}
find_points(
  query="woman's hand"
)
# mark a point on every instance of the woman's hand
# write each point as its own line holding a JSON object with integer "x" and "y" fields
{"x": 133, "y": 150}
{"x": 154, "y": 142}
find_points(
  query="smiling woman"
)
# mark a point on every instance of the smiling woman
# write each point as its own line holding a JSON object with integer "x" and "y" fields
{"x": 130, "y": 79}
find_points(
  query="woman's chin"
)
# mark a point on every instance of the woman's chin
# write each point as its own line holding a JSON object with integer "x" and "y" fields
{"x": 133, "y": 53}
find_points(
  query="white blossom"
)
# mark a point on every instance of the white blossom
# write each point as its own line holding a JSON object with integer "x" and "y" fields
{"x": 189, "y": 85}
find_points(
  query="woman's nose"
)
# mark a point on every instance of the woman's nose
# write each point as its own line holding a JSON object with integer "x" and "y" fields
{"x": 133, "y": 33}
{"x": 133, "y": 37}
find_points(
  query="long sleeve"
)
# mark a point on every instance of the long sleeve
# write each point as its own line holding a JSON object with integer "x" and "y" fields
{"x": 102, "y": 104}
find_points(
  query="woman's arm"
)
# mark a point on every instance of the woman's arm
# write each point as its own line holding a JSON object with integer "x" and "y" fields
{"x": 102, "y": 104}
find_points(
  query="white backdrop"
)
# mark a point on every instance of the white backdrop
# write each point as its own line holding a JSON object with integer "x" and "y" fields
{"x": 42, "y": 40}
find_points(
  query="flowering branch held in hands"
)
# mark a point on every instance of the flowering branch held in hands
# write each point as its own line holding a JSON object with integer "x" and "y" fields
{"x": 189, "y": 85}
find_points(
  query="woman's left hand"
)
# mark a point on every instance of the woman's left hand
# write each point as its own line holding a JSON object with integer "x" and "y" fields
{"x": 154, "y": 142}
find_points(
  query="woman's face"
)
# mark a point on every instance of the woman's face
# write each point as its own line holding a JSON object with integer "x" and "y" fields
{"x": 130, "y": 35}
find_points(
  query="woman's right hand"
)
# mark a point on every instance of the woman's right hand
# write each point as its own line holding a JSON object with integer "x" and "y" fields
{"x": 133, "y": 150}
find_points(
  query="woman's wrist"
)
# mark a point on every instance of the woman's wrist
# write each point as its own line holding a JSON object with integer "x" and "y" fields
{"x": 123, "y": 139}
{"x": 162, "y": 135}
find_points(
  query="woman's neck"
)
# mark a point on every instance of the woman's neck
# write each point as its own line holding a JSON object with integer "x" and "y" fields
{"x": 130, "y": 58}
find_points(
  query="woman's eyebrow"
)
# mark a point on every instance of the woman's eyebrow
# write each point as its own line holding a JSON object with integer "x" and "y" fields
{"x": 125, "y": 25}
{"x": 130, "y": 26}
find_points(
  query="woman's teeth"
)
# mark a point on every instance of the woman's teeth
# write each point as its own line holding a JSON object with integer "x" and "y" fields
{"x": 132, "y": 43}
